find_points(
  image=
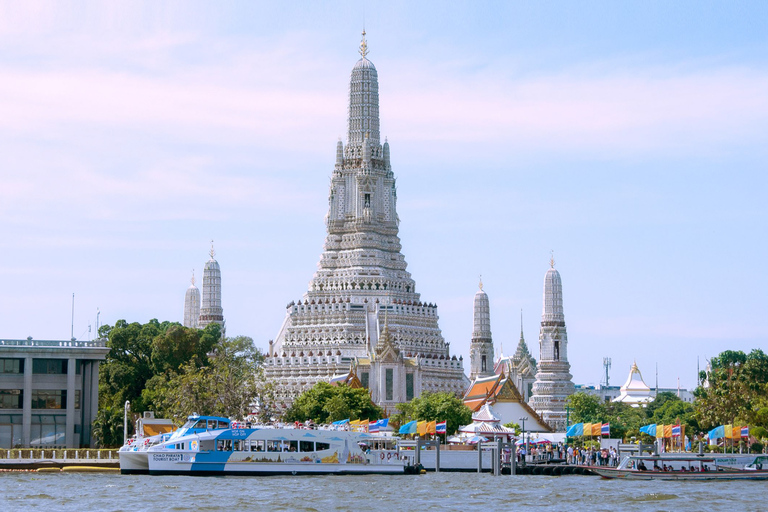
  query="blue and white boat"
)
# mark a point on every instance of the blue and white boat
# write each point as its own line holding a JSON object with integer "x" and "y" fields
{"x": 276, "y": 451}
{"x": 150, "y": 432}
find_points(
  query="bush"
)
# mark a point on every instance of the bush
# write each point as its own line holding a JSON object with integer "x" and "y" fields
{"x": 756, "y": 448}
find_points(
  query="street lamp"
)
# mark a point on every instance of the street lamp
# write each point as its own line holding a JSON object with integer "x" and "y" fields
{"x": 126, "y": 408}
{"x": 524, "y": 439}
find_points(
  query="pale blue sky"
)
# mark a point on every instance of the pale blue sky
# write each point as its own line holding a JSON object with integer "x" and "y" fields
{"x": 628, "y": 137}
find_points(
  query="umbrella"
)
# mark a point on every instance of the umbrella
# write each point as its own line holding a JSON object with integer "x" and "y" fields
{"x": 476, "y": 439}
{"x": 454, "y": 439}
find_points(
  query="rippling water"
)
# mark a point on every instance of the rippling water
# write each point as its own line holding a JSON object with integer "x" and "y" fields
{"x": 443, "y": 491}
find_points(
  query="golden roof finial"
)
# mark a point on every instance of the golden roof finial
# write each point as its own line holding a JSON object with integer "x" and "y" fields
{"x": 552, "y": 259}
{"x": 193, "y": 277}
{"x": 212, "y": 253}
{"x": 481, "y": 282}
{"x": 363, "y": 46}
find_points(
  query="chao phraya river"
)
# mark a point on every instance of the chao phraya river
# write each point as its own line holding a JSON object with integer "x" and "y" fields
{"x": 445, "y": 491}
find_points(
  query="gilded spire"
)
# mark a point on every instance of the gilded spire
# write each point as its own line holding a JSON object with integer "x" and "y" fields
{"x": 363, "y": 46}
{"x": 193, "y": 277}
{"x": 212, "y": 253}
{"x": 481, "y": 281}
{"x": 552, "y": 259}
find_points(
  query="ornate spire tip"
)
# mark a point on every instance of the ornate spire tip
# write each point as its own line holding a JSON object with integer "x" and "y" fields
{"x": 363, "y": 46}
{"x": 212, "y": 253}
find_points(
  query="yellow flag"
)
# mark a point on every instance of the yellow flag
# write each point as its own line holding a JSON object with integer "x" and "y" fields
{"x": 421, "y": 428}
{"x": 364, "y": 425}
{"x": 729, "y": 431}
{"x": 587, "y": 429}
{"x": 432, "y": 427}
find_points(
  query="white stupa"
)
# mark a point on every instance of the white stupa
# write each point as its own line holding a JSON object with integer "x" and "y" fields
{"x": 635, "y": 391}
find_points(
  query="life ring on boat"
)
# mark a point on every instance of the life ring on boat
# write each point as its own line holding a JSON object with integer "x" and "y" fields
{"x": 389, "y": 456}
{"x": 382, "y": 455}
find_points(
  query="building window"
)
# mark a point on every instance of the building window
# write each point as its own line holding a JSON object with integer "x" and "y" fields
{"x": 77, "y": 399}
{"x": 11, "y": 366}
{"x": 364, "y": 379}
{"x": 557, "y": 350}
{"x": 49, "y": 398}
{"x": 10, "y": 430}
{"x": 48, "y": 431}
{"x": 11, "y": 398}
{"x": 390, "y": 384}
{"x": 49, "y": 366}
{"x": 408, "y": 387}
{"x": 483, "y": 364}
{"x": 367, "y": 200}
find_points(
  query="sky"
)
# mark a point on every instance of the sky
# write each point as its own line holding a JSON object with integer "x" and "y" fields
{"x": 628, "y": 138}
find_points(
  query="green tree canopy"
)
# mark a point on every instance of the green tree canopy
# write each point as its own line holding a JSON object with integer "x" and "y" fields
{"x": 326, "y": 403}
{"x": 436, "y": 407}
{"x": 736, "y": 390}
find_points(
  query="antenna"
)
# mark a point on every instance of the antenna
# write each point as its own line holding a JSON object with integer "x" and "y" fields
{"x": 97, "y": 321}
{"x": 72, "y": 332}
{"x": 607, "y": 366}
{"x": 657, "y": 378}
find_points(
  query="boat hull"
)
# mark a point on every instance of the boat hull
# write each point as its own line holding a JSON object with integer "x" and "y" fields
{"x": 162, "y": 466}
{"x": 134, "y": 462}
{"x": 631, "y": 474}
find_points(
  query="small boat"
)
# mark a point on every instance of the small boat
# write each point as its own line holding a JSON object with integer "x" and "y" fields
{"x": 687, "y": 467}
{"x": 267, "y": 450}
{"x": 151, "y": 431}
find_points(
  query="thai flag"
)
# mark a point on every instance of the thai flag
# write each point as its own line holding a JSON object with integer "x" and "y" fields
{"x": 676, "y": 431}
{"x": 373, "y": 426}
{"x": 605, "y": 429}
{"x": 744, "y": 431}
{"x": 440, "y": 428}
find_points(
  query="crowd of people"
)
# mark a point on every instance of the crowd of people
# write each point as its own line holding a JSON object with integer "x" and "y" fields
{"x": 572, "y": 455}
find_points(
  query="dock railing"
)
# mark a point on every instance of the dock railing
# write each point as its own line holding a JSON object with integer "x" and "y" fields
{"x": 58, "y": 454}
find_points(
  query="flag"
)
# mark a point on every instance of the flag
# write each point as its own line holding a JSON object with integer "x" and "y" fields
{"x": 605, "y": 429}
{"x": 717, "y": 433}
{"x": 384, "y": 423}
{"x": 373, "y": 426}
{"x": 441, "y": 428}
{"x": 667, "y": 431}
{"x": 408, "y": 428}
{"x": 364, "y": 425}
{"x": 744, "y": 431}
{"x": 596, "y": 429}
{"x": 431, "y": 427}
{"x": 675, "y": 430}
{"x": 421, "y": 428}
{"x": 649, "y": 429}
{"x": 728, "y": 431}
{"x": 574, "y": 430}
{"x": 587, "y": 429}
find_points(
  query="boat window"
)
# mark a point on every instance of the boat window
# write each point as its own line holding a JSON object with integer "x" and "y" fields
{"x": 223, "y": 424}
{"x": 206, "y": 446}
{"x": 322, "y": 446}
{"x": 220, "y": 445}
{"x": 227, "y": 445}
{"x": 211, "y": 424}
{"x": 237, "y": 445}
{"x": 274, "y": 446}
{"x": 291, "y": 446}
{"x": 200, "y": 424}
{"x": 189, "y": 424}
{"x": 257, "y": 445}
{"x": 307, "y": 446}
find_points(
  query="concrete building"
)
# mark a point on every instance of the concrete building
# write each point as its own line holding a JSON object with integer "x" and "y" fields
{"x": 338, "y": 324}
{"x": 49, "y": 392}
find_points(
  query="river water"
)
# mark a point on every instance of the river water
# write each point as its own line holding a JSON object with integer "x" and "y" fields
{"x": 443, "y": 491}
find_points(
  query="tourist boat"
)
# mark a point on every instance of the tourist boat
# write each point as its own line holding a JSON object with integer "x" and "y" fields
{"x": 688, "y": 467}
{"x": 276, "y": 451}
{"x": 151, "y": 431}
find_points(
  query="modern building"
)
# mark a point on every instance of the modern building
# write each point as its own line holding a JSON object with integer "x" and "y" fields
{"x": 362, "y": 309}
{"x": 49, "y": 392}
{"x": 553, "y": 383}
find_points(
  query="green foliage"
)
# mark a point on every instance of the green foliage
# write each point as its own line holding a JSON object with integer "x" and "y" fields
{"x": 514, "y": 426}
{"x": 759, "y": 433}
{"x": 326, "y": 403}
{"x": 108, "y": 427}
{"x": 585, "y": 408}
{"x": 226, "y": 386}
{"x": 737, "y": 390}
{"x": 139, "y": 353}
{"x": 436, "y": 407}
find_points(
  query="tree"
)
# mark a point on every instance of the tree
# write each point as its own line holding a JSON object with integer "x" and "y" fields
{"x": 326, "y": 403}
{"x": 436, "y": 407}
{"x": 736, "y": 390}
{"x": 108, "y": 427}
{"x": 140, "y": 352}
{"x": 232, "y": 380}
{"x": 585, "y": 408}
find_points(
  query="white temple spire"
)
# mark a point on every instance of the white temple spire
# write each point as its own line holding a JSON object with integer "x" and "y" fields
{"x": 211, "y": 310}
{"x": 481, "y": 346}
{"x": 192, "y": 304}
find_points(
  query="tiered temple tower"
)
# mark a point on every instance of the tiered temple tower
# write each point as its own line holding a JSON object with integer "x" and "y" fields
{"x": 192, "y": 305}
{"x": 553, "y": 383}
{"x": 334, "y": 328}
{"x": 481, "y": 346}
{"x": 211, "y": 310}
